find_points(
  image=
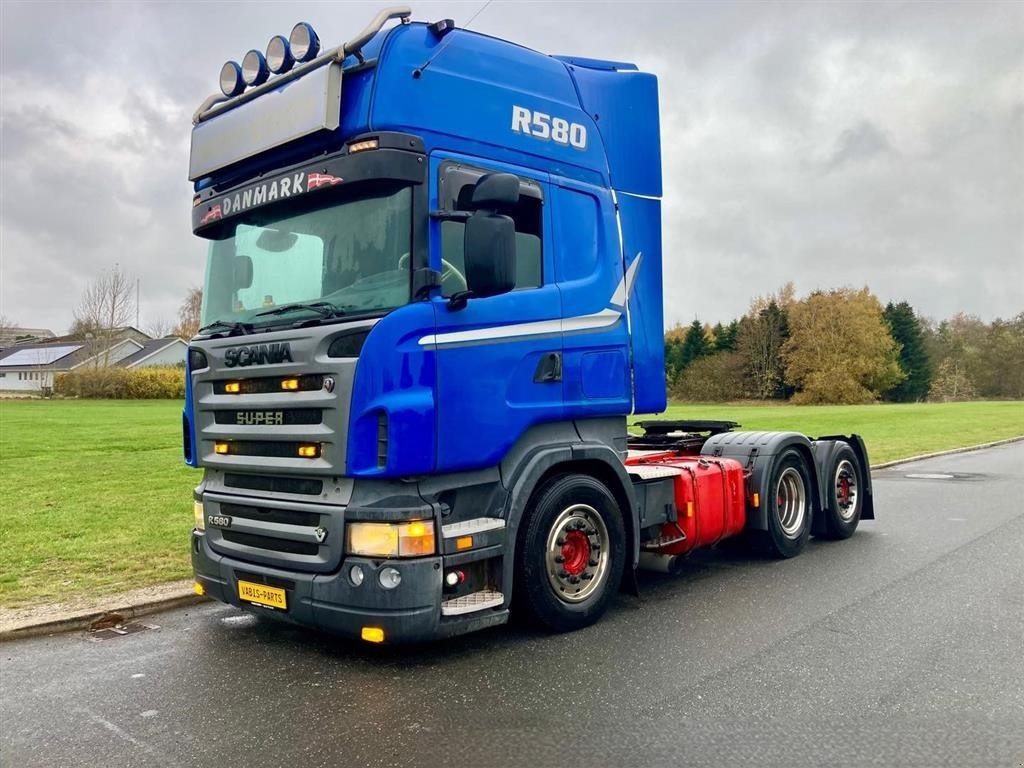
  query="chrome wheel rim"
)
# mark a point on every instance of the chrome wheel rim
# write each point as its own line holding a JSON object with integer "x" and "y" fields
{"x": 845, "y": 488}
{"x": 577, "y": 553}
{"x": 791, "y": 502}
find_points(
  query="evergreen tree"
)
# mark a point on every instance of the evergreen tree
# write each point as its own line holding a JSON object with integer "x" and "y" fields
{"x": 913, "y": 357}
{"x": 725, "y": 337}
{"x": 695, "y": 344}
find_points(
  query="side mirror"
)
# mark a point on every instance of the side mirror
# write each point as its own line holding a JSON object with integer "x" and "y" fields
{"x": 496, "y": 192}
{"x": 489, "y": 250}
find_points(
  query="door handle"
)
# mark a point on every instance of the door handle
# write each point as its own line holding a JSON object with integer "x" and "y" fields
{"x": 549, "y": 368}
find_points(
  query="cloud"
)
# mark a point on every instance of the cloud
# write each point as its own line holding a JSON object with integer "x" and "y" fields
{"x": 828, "y": 144}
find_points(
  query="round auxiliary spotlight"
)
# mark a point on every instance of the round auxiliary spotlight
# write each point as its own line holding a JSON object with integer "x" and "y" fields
{"x": 304, "y": 43}
{"x": 279, "y": 55}
{"x": 254, "y": 68}
{"x": 231, "y": 82}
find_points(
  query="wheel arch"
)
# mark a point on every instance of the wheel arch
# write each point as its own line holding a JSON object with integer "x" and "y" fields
{"x": 597, "y": 461}
{"x": 759, "y": 452}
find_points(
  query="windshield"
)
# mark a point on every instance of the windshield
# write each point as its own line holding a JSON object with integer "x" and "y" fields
{"x": 351, "y": 257}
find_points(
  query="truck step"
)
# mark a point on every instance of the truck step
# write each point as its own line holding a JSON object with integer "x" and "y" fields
{"x": 663, "y": 541}
{"x": 652, "y": 471}
{"x": 477, "y": 601}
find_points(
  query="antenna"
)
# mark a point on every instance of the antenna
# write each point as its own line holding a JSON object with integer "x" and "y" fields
{"x": 437, "y": 52}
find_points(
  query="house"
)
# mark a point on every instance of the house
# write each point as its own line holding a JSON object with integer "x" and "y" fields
{"x": 12, "y": 335}
{"x": 114, "y": 334}
{"x": 30, "y": 368}
{"x": 169, "y": 350}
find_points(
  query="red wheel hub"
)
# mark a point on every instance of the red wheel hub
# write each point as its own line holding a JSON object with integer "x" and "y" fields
{"x": 575, "y": 552}
{"x": 844, "y": 491}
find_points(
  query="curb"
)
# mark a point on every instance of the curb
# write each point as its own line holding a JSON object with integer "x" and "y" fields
{"x": 85, "y": 620}
{"x": 186, "y": 597}
{"x": 950, "y": 452}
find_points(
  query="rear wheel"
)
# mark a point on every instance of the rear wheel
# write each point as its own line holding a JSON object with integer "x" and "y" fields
{"x": 571, "y": 553}
{"x": 844, "y": 500}
{"x": 789, "y": 507}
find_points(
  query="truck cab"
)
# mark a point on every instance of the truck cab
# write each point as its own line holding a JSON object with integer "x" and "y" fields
{"x": 432, "y": 298}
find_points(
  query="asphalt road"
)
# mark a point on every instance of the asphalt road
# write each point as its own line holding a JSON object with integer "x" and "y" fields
{"x": 901, "y": 646}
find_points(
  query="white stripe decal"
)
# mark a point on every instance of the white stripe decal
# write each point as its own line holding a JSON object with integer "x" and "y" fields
{"x": 576, "y": 324}
{"x": 625, "y": 287}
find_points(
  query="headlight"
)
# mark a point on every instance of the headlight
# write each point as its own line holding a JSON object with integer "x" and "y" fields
{"x": 197, "y": 510}
{"x": 391, "y": 539}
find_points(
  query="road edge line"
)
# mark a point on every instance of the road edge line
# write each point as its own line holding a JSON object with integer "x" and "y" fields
{"x": 950, "y": 452}
{"x": 85, "y": 620}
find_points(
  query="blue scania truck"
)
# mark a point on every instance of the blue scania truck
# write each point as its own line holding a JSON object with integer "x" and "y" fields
{"x": 432, "y": 300}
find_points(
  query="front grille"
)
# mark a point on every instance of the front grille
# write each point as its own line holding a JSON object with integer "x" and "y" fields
{"x": 284, "y": 516}
{"x": 270, "y": 544}
{"x": 269, "y": 417}
{"x": 274, "y": 484}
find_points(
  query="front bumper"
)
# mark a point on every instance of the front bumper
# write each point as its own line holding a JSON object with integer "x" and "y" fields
{"x": 409, "y": 613}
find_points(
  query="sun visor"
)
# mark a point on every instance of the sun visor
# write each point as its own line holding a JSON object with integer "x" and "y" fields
{"x": 299, "y": 108}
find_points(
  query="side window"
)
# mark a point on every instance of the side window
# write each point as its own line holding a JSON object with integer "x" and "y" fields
{"x": 527, "y": 215}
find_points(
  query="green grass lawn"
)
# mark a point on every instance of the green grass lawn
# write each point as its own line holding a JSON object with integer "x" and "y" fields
{"x": 890, "y": 431}
{"x": 94, "y": 498}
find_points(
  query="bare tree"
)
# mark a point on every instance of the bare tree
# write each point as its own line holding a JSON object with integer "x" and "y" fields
{"x": 189, "y": 314}
{"x": 107, "y": 305}
{"x": 158, "y": 327}
{"x": 7, "y": 327}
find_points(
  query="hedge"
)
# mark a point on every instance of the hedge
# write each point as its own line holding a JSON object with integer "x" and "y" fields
{"x": 153, "y": 383}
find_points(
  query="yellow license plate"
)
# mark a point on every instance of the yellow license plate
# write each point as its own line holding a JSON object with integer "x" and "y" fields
{"x": 261, "y": 594}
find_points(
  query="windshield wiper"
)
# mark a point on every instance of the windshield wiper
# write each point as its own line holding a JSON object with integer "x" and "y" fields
{"x": 323, "y": 308}
{"x": 227, "y": 325}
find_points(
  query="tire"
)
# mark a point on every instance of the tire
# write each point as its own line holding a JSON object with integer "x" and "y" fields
{"x": 844, "y": 499}
{"x": 570, "y": 555}
{"x": 790, "y": 508}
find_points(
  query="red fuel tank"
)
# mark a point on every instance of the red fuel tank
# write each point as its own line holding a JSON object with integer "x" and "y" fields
{"x": 710, "y": 501}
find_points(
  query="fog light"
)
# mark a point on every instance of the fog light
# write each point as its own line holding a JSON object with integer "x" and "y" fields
{"x": 355, "y": 575}
{"x": 372, "y": 634}
{"x": 454, "y": 578}
{"x": 389, "y": 578}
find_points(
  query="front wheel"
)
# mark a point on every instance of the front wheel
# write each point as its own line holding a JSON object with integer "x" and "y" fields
{"x": 570, "y": 554}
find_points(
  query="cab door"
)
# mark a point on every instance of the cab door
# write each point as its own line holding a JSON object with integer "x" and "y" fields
{"x": 498, "y": 358}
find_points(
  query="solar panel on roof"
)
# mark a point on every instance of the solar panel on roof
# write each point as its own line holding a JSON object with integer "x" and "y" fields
{"x": 39, "y": 355}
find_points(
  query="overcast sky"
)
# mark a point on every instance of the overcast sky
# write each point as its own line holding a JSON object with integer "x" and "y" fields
{"x": 829, "y": 144}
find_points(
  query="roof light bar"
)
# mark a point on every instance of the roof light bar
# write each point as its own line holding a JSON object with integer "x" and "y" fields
{"x": 289, "y": 58}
